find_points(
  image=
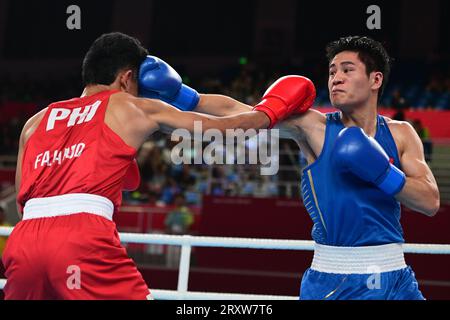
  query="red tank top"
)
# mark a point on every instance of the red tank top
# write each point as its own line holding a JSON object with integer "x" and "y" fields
{"x": 74, "y": 151}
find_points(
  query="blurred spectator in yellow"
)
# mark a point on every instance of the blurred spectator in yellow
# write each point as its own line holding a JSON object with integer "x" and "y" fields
{"x": 3, "y": 223}
{"x": 178, "y": 221}
{"x": 181, "y": 218}
{"x": 424, "y": 134}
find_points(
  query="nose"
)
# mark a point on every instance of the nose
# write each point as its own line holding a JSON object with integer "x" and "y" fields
{"x": 337, "y": 79}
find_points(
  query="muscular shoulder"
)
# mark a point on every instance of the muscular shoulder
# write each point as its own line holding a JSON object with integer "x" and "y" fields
{"x": 311, "y": 117}
{"x": 32, "y": 124}
{"x": 403, "y": 133}
{"x": 125, "y": 102}
{"x": 400, "y": 128}
{"x": 126, "y": 108}
{"x": 132, "y": 118}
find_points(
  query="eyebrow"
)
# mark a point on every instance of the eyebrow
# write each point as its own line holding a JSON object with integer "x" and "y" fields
{"x": 342, "y": 63}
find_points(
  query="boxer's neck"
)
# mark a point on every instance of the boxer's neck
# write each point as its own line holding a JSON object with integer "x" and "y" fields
{"x": 94, "y": 89}
{"x": 365, "y": 118}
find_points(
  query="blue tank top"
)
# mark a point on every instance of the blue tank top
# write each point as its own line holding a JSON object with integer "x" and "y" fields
{"x": 347, "y": 211}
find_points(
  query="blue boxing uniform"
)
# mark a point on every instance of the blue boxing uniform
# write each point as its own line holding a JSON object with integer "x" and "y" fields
{"x": 358, "y": 252}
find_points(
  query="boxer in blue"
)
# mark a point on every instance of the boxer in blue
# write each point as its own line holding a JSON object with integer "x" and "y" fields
{"x": 361, "y": 167}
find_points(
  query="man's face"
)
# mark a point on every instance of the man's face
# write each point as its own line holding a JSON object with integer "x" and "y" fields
{"x": 348, "y": 83}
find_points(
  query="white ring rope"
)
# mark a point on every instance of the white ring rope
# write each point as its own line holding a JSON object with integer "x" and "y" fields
{"x": 247, "y": 243}
{"x": 187, "y": 241}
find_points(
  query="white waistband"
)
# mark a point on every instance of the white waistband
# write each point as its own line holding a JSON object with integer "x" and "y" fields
{"x": 358, "y": 260}
{"x": 68, "y": 204}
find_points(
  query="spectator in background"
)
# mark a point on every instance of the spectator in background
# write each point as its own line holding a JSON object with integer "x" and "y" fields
{"x": 248, "y": 185}
{"x": 424, "y": 134}
{"x": 178, "y": 221}
{"x": 399, "y": 104}
{"x": 217, "y": 189}
{"x": 170, "y": 190}
{"x": 185, "y": 177}
{"x": 192, "y": 197}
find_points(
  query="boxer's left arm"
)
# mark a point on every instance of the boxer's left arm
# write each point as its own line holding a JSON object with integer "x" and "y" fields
{"x": 420, "y": 192}
{"x": 293, "y": 88}
{"x": 296, "y": 127}
{"x": 222, "y": 106}
{"x": 27, "y": 130}
{"x": 19, "y": 171}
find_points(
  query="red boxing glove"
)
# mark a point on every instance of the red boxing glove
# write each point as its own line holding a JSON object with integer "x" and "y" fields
{"x": 288, "y": 95}
{"x": 132, "y": 178}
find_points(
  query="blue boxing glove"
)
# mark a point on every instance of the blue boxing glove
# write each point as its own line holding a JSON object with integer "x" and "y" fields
{"x": 158, "y": 80}
{"x": 363, "y": 156}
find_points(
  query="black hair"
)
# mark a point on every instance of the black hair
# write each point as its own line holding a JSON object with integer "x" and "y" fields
{"x": 109, "y": 54}
{"x": 370, "y": 52}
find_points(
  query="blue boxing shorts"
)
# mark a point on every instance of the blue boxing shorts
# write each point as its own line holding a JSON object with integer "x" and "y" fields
{"x": 359, "y": 273}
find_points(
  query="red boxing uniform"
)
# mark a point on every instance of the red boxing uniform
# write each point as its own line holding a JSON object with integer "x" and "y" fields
{"x": 73, "y": 173}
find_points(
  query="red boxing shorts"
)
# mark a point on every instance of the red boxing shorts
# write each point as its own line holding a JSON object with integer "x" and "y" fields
{"x": 70, "y": 256}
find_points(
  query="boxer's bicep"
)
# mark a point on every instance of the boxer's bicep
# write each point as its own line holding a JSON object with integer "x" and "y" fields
{"x": 169, "y": 118}
{"x": 157, "y": 115}
{"x": 412, "y": 159}
{"x": 420, "y": 192}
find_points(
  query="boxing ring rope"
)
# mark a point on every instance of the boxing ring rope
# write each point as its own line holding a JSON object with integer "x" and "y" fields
{"x": 187, "y": 242}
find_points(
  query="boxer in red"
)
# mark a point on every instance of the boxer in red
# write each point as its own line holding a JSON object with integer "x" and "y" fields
{"x": 75, "y": 158}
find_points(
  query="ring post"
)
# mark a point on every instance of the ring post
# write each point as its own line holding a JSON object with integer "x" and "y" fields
{"x": 185, "y": 260}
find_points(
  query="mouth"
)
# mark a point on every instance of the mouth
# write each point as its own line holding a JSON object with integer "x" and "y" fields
{"x": 336, "y": 91}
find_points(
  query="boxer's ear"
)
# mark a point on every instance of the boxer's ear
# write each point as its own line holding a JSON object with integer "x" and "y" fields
{"x": 376, "y": 79}
{"x": 128, "y": 82}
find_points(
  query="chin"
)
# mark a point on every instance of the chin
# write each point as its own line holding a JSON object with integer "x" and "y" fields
{"x": 338, "y": 104}
{"x": 342, "y": 106}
